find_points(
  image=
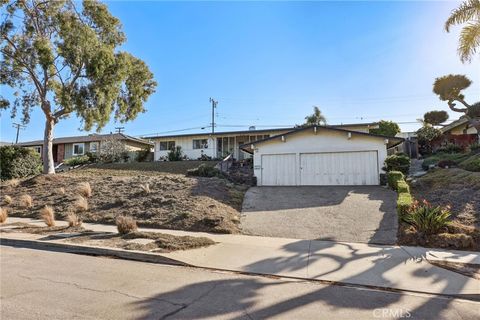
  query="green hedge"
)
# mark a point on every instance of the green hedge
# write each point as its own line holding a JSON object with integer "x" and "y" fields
{"x": 18, "y": 162}
{"x": 403, "y": 187}
{"x": 398, "y": 162}
{"x": 75, "y": 161}
{"x": 393, "y": 177}
{"x": 404, "y": 202}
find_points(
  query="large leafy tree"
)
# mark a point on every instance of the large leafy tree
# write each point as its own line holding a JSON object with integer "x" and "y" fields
{"x": 449, "y": 88}
{"x": 63, "y": 57}
{"x": 467, "y": 13}
{"x": 386, "y": 128}
{"x": 316, "y": 118}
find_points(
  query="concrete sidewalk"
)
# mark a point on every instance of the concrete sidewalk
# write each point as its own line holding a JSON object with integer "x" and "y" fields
{"x": 395, "y": 267}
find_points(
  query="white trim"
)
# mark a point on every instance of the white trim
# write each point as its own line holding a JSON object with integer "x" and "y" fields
{"x": 78, "y": 144}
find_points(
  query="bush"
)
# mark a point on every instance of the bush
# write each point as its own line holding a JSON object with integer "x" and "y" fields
{"x": 175, "y": 154}
{"x": 402, "y": 187}
{"x": 447, "y": 163}
{"x": 77, "y": 161}
{"x": 426, "y": 218}
{"x": 204, "y": 170}
{"x": 404, "y": 202}
{"x": 398, "y": 162}
{"x": 393, "y": 177}
{"x": 3, "y": 215}
{"x": 18, "y": 162}
{"x": 73, "y": 220}
{"x": 48, "y": 216}
{"x": 92, "y": 157}
{"x": 26, "y": 201}
{"x": 112, "y": 150}
{"x": 471, "y": 164}
{"x": 450, "y": 148}
{"x": 126, "y": 224}
{"x": 142, "y": 155}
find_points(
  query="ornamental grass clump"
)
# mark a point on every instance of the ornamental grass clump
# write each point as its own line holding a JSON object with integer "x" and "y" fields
{"x": 126, "y": 224}
{"x": 426, "y": 218}
{"x": 48, "y": 216}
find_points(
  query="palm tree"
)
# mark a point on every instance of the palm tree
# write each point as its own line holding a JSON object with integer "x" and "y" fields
{"x": 317, "y": 118}
{"x": 468, "y": 12}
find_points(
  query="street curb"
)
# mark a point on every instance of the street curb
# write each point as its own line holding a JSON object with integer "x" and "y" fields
{"x": 159, "y": 259}
{"x": 94, "y": 251}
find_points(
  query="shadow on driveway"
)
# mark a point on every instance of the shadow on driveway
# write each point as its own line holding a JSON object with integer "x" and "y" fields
{"x": 342, "y": 213}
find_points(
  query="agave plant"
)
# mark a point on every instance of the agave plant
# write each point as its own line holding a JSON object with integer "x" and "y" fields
{"x": 426, "y": 218}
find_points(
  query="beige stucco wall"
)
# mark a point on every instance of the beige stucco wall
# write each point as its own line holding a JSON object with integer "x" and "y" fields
{"x": 323, "y": 141}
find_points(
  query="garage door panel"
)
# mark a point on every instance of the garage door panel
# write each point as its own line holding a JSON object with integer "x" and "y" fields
{"x": 339, "y": 168}
{"x": 279, "y": 170}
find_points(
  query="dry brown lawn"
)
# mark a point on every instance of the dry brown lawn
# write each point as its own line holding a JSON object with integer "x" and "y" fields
{"x": 174, "y": 202}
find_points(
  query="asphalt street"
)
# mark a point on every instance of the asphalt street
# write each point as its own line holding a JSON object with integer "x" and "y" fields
{"x": 52, "y": 285}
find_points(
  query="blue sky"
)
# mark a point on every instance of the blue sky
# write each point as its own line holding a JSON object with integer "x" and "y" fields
{"x": 268, "y": 63}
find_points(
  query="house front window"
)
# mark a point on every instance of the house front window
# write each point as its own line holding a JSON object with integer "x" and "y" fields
{"x": 166, "y": 145}
{"x": 38, "y": 149}
{"x": 78, "y": 149}
{"x": 200, "y": 144}
{"x": 94, "y": 147}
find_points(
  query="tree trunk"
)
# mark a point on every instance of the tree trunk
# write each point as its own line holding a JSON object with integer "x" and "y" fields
{"x": 48, "y": 164}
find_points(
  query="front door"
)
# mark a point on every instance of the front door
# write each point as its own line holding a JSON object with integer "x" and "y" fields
{"x": 55, "y": 153}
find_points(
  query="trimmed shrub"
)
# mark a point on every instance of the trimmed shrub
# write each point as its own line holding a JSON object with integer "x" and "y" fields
{"x": 403, "y": 187}
{"x": 77, "y": 161}
{"x": 125, "y": 224}
{"x": 404, "y": 202}
{"x": 7, "y": 199}
{"x": 18, "y": 162}
{"x": 26, "y": 201}
{"x": 393, "y": 177}
{"x": 398, "y": 162}
{"x": 426, "y": 218}
{"x": 204, "y": 170}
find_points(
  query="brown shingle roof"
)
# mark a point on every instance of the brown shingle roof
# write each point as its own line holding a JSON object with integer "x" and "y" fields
{"x": 87, "y": 138}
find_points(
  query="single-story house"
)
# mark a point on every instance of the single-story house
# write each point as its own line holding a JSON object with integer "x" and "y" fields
{"x": 460, "y": 132}
{"x": 320, "y": 155}
{"x": 68, "y": 147}
{"x": 221, "y": 144}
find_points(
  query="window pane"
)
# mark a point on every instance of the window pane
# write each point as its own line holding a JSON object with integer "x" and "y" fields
{"x": 163, "y": 145}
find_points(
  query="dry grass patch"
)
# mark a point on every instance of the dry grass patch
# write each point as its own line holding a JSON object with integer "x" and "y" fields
{"x": 48, "y": 216}
{"x": 126, "y": 224}
{"x": 145, "y": 188}
{"x": 3, "y": 215}
{"x": 73, "y": 220}
{"x": 12, "y": 183}
{"x": 61, "y": 191}
{"x": 7, "y": 199}
{"x": 84, "y": 189}
{"x": 81, "y": 204}
{"x": 26, "y": 201}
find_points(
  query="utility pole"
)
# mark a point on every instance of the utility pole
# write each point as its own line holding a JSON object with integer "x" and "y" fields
{"x": 214, "y": 105}
{"x": 120, "y": 129}
{"x": 18, "y": 126}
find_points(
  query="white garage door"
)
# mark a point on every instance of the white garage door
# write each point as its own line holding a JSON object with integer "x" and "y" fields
{"x": 278, "y": 170}
{"x": 339, "y": 168}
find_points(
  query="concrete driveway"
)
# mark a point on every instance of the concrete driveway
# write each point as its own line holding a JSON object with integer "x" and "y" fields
{"x": 342, "y": 213}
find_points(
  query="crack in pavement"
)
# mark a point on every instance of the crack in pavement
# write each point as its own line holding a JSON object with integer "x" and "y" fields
{"x": 78, "y": 286}
{"x": 185, "y": 306}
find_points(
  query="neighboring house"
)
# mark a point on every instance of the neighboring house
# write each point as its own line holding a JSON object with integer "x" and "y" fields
{"x": 221, "y": 144}
{"x": 68, "y": 147}
{"x": 409, "y": 146}
{"x": 460, "y": 132}
{"x": 319, "y": 155}
{"x": 2, "y": 143}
